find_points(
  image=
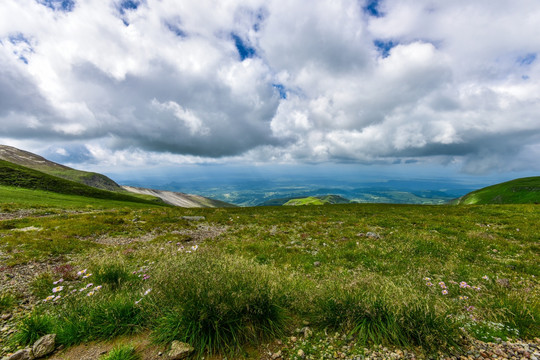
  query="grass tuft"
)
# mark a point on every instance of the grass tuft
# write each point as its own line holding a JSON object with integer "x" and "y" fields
{"x": 220, "y": 303}
{"x": 32, "y": 327}
{"x": 122, "y": 352}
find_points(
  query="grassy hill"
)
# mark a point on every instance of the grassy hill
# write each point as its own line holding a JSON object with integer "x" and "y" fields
{"x": 309, "y": 200}
{"x": 14, "y": 175}
{"x": 519, "y": 191}
{"x": 36, "y": 162}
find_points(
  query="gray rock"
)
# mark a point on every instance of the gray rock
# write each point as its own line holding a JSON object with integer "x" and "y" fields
{"x": 44, "y": 346}
{"x": 179, "y": 350}
{"x": 193, "y": 218}
{"x": 373, "y": 235}
{"x": 24, "y": 354}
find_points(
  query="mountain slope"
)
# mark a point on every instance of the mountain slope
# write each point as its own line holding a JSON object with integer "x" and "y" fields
{"x": 309, "y": 200}
{"x": 518, "y": 191}
{"x": 36, "y": 162}
{"x": 14, "y": 175}
{"x": 179, "y": 199}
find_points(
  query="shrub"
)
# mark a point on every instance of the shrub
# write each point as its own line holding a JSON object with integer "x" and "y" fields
{"x": 113, "y": 274}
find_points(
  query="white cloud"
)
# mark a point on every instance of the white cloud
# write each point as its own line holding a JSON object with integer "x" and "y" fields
{"x": 431, "y": 81}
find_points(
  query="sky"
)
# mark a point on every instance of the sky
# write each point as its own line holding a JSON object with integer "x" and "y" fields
{"x": 132, "y": 85}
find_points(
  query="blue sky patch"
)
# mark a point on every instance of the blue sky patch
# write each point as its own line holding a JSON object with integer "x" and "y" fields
{"x": 384, "y": 47}
{"x": 59, "y": 5}
{"x": 17, "y": 39}
{"x": 372, "y": 8}
{"x": 281, "y": 89}
{"x": 244, "y": 50}
{"x": 527, "y": 59}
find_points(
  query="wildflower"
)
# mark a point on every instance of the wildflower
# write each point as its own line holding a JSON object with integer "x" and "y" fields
{"x": 86, "y": 276}
{"x": 48, "y": 298}
{"x": 138, "y": 301}
{"x": 442, "y": 285}
{"x": 146, "y": 277}
{"x": 134, "y": 272}
{"x": 90, "y": 293}
{"x": 445, "y": 292}
{"x": 427, "y": 279}
{"x": 147, "y": 292}
{"x": 81, "y": 272}
{"x": 463, "y": 284}
{"x": 470, "y": 308}
{"x": 74, "y": 291}
{"x": 89, "y": 285}
{"x": 463, "y": 297}
{"x": 58, "y": 281}
{"x": 57, "y": 289}
{"x": 195, "y": 247}
{"x": 485, "y": 277}
{"x": 97, "y": 287}
{"x": 429, "y": 283}
{"x": 57, "y": 298}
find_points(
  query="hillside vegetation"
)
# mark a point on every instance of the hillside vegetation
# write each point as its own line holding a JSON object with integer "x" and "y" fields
{"x": 14, "y": 175}
{"x": 36, "y": 162}
{"x": 518, "y": 191}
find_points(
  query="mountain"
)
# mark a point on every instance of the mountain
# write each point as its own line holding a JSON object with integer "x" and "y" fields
{"x": 36, "y": 162}
{"x": 179, "y": 199}
{"x": 310, "y": 200}
{"x": 518, "y": 191}
{"x": 14, "y": 175}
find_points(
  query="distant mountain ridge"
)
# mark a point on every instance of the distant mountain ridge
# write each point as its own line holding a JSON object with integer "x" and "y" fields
{"x": 179, "y": 199}
{"x": 39, "y": 163}
{"x": 518, "y": 191}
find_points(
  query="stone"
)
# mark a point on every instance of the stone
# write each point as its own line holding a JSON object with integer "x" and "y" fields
{"x": 276, "y": 355}
{"x": 6, "y": 316}
{"x": 301, "y": 353}
{"x": 44, "y": 346}
{"x": 503, "y": 282}
{"x": 373, "y": 235}
{"x": 24, "y": 354}
{"x": 179, "y": 350}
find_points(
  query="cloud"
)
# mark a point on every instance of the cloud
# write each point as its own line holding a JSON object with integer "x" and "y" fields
{"x": 273, "y": 81}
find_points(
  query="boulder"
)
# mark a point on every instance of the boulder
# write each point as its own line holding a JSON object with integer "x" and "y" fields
{"x": 179, "y": 350}
{"x": 24, "y": 354}
{"x": 44, "y": 346}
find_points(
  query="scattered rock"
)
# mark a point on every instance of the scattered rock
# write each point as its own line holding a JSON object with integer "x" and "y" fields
{"x": 193, "y": 218}
{"x": 6, "y": 317}
{"x": 44, "y": 346}
{"x": 24, "y": 354}
{"x": 180, "y": 350}
{"x": 301, "y": 353}
{"x": 276, "y": 355}
{"x": 373, "y": 235}
{"x": 317, "y": 263}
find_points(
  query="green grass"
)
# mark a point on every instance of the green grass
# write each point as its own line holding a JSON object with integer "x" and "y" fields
{"x": 122, "y": 352}
{"x": 519, "y": 191}
{"x": 274, "y": 269}
{"x": 7, "y": 301}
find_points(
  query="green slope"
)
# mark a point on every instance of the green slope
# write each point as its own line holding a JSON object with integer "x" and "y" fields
{"x": 318, "y": 200}
{"x": 519, "y": 191}
{"x": 19, "y": 176}
{"x": 36, "y": 162}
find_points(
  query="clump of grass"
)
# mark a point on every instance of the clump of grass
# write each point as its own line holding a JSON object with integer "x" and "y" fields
{"x": 377, "y": 320}
{"x": 114, "y": 274}
{"x": 216, "y": 303}
{"x": 98, "y": 317}
{"x": 122, "y": 352}
{"x": 32, "y": 327}
{"x": 7, "y": 301}
{"x": 41, "y": 286}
